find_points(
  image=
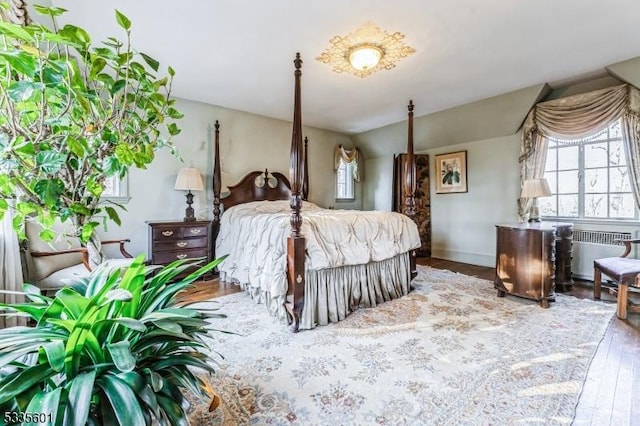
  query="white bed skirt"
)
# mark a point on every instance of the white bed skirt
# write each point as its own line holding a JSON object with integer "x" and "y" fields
{"x": 332, "y": 294}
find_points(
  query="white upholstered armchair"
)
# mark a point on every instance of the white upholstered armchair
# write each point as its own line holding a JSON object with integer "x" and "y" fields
{"x": 53, "y": 265}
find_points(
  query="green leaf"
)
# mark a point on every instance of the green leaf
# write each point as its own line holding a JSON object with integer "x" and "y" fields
{"x": 80, "y": 394}
{"x": 51, "y": 11}
{"x": 50, "y": 162}
{"x": 23, "y": 90}
{"x": 173, "y": 411}
{"x": 80, "y": 209}
{"x": 97, "y": 65}
{"x": 173, "y": 129}
{"x": 47, "y": 235}
{"x": 13, "y": 385}
{"x": 111, "y": 166}
{"x": 131, "y": 323}
{"x": 122, "y": 20}
{"x": 117, "y": 86}
{"x": 113, "y": 215}
{"x": 121, "y": 355}
{"x": 55, "y": 354}
{"x": 122, "y": 399}
{"x": 118, "y": 294}
{"x": 15, "y": 31}
{"x": 47, "y": 403}
{"x": 20, "y": 61}
{"x": 75, "y": 146}
{"x": 87, "y": 230}
{"x": 150, "y": 61}
{"x": 171, "y": 71}
{"x": 49, "y": 191}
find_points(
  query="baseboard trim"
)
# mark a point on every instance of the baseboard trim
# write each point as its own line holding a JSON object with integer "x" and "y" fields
{"x": 464, "y": 257}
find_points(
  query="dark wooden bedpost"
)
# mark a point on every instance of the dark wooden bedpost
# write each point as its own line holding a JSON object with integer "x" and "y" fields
{"x": 305, "y": 171}
{"x": 409, "y": 187}
{"x": 296, "y": 242}
{"x": 217, "y": 185}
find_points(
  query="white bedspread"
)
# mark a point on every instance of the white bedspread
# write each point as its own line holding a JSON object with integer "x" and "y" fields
{"x": 254, "y": 236}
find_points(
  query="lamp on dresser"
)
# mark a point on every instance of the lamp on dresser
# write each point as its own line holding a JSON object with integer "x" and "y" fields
{"x": 189, "y": 179}
{"x": 534, "y": 188}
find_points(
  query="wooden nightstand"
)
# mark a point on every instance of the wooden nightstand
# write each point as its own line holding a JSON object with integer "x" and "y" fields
{"x": 174, "y": 240}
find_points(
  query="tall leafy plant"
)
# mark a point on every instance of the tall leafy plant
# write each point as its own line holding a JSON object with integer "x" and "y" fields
{"x": 72, "y": 115}
{"x": 115, "y": 348}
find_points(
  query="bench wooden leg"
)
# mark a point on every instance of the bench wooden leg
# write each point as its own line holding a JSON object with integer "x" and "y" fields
{"x": 597, "y": 283}
{"x": 622, "y": 301}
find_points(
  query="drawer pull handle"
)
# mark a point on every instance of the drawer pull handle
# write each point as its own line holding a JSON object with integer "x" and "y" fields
{"x": 196, "y": 231}
{"x": 167, "y": 233}
{"x": 181, "y": 244}
{"x": 181, "y": 256}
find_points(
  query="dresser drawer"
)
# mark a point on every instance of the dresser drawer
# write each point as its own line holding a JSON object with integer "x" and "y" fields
{"x": 173, "y": 233}
{"x": 163, "y": 258}
{"x": 174, "y": 240}
{"x": 181, "y": 244}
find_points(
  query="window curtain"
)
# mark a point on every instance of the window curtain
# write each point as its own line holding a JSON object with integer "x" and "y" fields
{"x": 10, "y": 270}
{"x": 577, "y": 117}
{"x": 348, "y": 156}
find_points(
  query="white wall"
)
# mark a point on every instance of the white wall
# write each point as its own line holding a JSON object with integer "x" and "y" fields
{"x": 247, "y": 142}
{"x": 463, "y": 224}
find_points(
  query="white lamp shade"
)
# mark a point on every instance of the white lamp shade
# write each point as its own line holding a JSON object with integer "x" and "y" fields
{"x": 534, "y": 188}
{"x": 365, "y": 57}
{"x": 189, "y": 179}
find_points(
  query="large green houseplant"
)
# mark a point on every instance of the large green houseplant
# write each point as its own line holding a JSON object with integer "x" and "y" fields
{"x": 114, "y": 348}
{"x": 73, "y": 114}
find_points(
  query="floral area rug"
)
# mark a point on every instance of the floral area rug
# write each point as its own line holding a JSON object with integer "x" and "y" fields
{"x": 450, "y": 352}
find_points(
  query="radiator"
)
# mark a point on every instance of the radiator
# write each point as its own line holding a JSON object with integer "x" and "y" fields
{"x": 591, "y": 245}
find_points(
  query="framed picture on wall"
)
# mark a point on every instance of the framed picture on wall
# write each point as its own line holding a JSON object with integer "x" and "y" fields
{"x": 451, "y": 172}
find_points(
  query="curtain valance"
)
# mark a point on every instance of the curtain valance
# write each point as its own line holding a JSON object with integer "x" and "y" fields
{"x": 576, "y": 117}
{"x": 348, "y": 156}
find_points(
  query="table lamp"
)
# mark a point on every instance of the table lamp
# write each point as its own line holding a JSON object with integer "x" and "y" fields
{"x": 534, "y": 188}
{"x": 189, "y": 178}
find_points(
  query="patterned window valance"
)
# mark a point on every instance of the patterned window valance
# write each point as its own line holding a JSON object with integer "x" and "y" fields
{"x": 348, "y": 156}
{"x": 578, "y": 118}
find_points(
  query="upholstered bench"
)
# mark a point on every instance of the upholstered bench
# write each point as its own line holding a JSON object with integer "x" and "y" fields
{"x": 625, "y": 271}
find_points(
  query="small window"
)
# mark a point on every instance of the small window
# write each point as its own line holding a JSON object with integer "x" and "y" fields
{"x": 116, "y": 190}
{"x": 344, "y": 181}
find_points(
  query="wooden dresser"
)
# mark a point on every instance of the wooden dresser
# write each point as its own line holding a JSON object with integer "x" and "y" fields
{"x": 174, "y": 240}
{"x": 533, "y": 259}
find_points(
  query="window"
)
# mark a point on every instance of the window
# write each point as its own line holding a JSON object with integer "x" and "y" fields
{"x": 344, "y": 181}
{"x": 116, "y": 190}
{"x": 589, "y": 178}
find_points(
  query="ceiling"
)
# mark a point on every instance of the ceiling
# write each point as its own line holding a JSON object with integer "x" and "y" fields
{"x": 239, "y": 53}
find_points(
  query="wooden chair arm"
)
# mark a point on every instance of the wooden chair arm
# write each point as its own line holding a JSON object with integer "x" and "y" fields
{"x": 124, "y": 252}
{"x": 627, "y": 245}
{"x": 82, "y": 250}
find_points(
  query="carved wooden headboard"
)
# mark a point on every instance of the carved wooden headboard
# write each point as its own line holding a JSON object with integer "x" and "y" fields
{"x": 258, "y": 186}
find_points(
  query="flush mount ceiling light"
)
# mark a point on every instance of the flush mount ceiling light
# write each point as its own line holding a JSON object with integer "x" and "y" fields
{"x": 365, "y": 51}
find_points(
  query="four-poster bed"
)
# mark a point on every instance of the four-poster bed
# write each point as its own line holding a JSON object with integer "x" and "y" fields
{"x": 333, "y": 262}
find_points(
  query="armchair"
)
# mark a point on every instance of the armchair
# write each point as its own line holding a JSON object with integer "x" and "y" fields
{"x": 624, "y": 270}
{"x": 53, "y": 264}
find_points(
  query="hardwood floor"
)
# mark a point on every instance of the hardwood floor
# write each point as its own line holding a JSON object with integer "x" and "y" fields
{"x": 611, "y": 393}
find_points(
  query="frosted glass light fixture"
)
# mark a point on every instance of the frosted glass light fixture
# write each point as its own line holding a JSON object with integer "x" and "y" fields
{"x": 366, "y": 50}
{"x": 365, "y": 57}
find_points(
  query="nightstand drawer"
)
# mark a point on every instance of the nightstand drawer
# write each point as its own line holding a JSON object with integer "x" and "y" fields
{"x": 168, "y": 257}
{"x": 160, "y": 234}
{"x": 195, "y": 231}
{"x": 175, "y": 240}
{"x": 186, "y": 243}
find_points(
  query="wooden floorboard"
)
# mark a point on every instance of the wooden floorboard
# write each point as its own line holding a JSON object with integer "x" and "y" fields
{"x": 611, "y": 392}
